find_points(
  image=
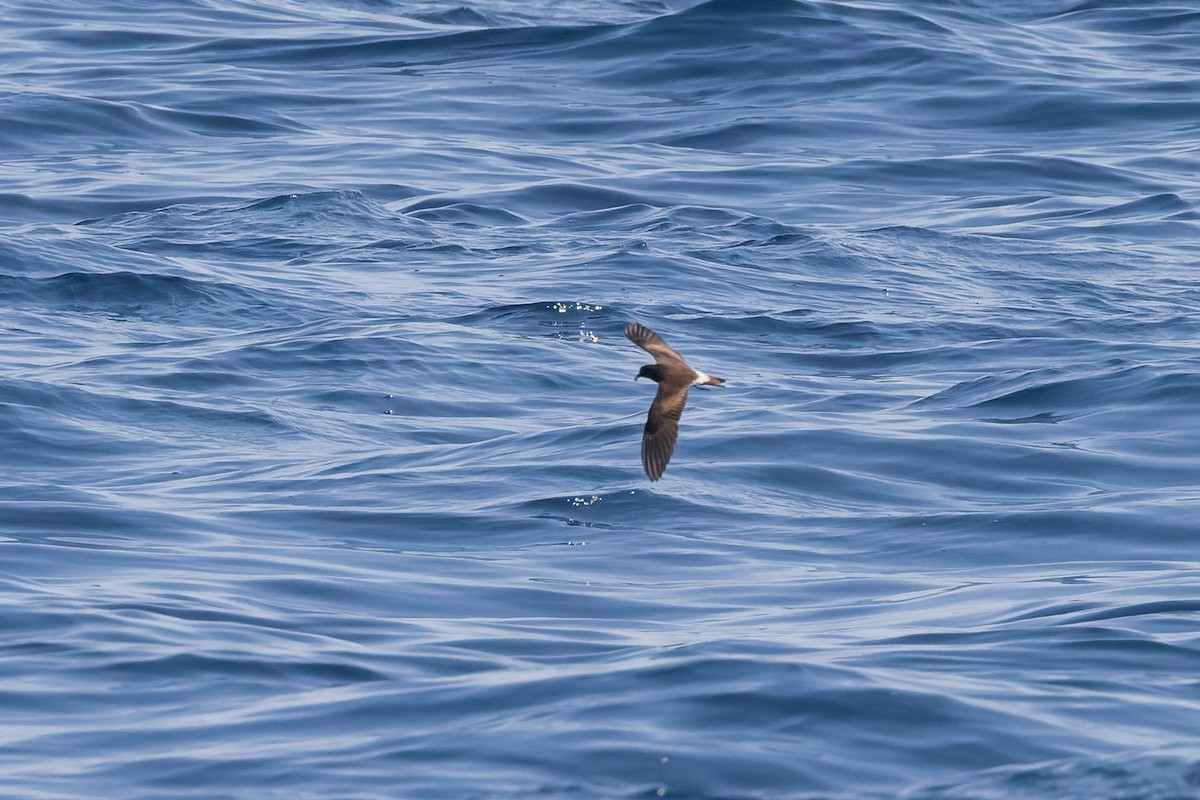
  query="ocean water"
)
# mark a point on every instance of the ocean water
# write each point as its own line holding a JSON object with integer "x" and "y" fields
{"x": 319, "y": 439}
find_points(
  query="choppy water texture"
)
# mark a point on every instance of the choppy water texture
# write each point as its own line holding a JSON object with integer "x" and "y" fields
{"x": 319, "y": 469}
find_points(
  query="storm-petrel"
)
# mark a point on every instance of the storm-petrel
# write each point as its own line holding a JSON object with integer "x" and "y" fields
{"x": 674, "y": 377}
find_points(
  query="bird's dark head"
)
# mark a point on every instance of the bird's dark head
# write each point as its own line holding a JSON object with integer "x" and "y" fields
{"x": 650, "y": 371}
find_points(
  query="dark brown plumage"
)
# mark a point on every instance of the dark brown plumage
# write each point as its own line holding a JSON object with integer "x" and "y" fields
{"x": 674, "y": 377}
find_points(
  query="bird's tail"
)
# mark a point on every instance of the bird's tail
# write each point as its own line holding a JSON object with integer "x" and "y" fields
{"x": 714, "y": 381}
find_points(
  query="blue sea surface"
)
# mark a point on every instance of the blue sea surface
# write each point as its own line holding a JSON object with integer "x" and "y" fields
{"x": 319, "y": 439}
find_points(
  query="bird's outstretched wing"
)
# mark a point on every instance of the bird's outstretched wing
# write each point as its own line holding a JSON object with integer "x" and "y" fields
{"x": 662, "y": 428}
{"x": 653, "y": 344}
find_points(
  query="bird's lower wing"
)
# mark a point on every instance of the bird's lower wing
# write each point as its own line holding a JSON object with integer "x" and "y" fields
{"x": 662, "y": 430}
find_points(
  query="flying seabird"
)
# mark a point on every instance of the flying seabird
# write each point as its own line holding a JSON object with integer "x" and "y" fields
{"x": 674, "y": 377}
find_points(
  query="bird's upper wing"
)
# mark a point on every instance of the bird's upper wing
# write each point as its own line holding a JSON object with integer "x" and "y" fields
{"x": 652, "y": 343}
{"x": 662, "y": 428}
